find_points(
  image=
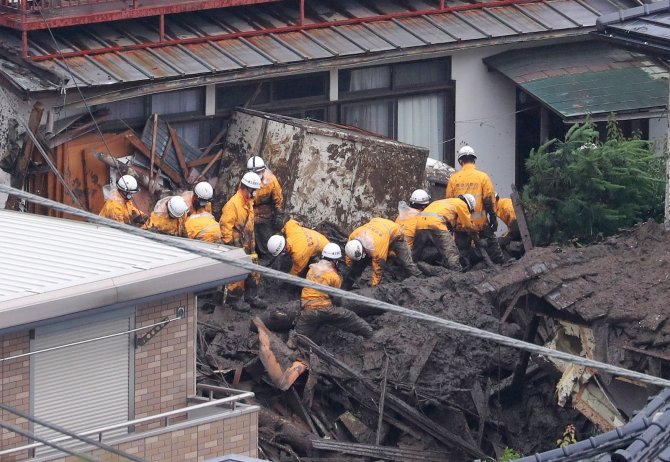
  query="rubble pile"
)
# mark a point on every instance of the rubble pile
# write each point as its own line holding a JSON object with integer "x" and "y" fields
{"x": 445, "y": 395}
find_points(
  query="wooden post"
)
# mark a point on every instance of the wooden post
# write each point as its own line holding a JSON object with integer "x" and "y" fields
{"x": 521, "y": 220}
{"x": 21, "y": 168}
{"x": 667, "y": 170}
{"x": 153, "y": 153}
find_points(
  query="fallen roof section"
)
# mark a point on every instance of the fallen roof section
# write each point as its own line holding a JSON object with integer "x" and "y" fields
{"x": 232, "y": 41}
{"x": 584, "y": 79}
{"x": 53, "y": 267}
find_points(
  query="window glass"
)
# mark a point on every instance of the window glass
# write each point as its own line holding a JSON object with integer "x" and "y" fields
{"x": 421, "y": 122}
{"x": 369, "y": 78}
{"x": 299, "y": 87}
{"x": 421, "y": 73}
{"x": 128, "y": 108}
{"x": 230, "y": 96}
{"x": 374, "y": 116}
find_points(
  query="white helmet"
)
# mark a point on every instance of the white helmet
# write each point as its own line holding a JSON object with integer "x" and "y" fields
{"x": 331, "y": 251}
{"x": 255, "y": 164}
{"x": 466, "y": 151}
{"x": 251, "y": 180}
{"x": 276, "y": 244}
{"x": 470, "y": 200}
{"x": 354, "y": 250}
{"x": 177, "y": 206}
{"x": 127, "y": 184}
{"x": 203, "y": 190}
{"x": 419, "y": 196}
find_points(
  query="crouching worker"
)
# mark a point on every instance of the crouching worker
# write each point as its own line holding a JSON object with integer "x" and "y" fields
{"x": 237, "y": 230}
{"x": 436, "y": 223}
{"x": 168, "y": 217}
{"x": 201, "y": 224}
{"x": 318, "y": 308}
{"x": 300, "y": 244}
{"x": 371, "y": 243}
{"x": 120, "y": 207}
{"x": 511, "y": 240}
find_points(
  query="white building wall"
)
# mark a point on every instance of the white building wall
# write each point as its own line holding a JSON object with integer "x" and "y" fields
{"x": 658, "y": 133}
{"x": 485, "y": 119}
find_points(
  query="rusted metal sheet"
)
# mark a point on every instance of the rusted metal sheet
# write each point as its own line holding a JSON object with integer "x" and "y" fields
{"x": 328, "y": 173}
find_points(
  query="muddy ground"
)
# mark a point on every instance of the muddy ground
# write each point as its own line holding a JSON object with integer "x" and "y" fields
{"x": 619, "y": 287}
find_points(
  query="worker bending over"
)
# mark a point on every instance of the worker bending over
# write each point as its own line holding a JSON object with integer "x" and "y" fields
{"x": 237, "y": 230}
{"x": 300, "y": 244}
{"x": 268, "y": 204}
{"x": 318, "y": 308}
{"x": 120, "y": 206}
{"x": 506, "y": 212}
{"x": 469, "y": 180}
{"x": 435, "y": 224}
{"x": 409, "y": 214}
{"x": 201, "y": 224}
{"x": 371, "y": 243}
{"x": 168, "y": 217}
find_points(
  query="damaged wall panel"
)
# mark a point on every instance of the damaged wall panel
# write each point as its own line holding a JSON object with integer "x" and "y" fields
{"x": 328, "y": 173}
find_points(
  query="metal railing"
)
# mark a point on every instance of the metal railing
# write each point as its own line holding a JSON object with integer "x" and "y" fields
{"x": 164, "y": 417}
{"x": 50, "y": 5}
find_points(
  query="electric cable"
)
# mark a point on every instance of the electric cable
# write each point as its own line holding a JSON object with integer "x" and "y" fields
{"x": 59, "y": 429}
{"x": 214, "y": 253}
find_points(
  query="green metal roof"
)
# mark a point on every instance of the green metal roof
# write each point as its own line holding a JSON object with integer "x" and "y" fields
{"x": 587, "y": 79}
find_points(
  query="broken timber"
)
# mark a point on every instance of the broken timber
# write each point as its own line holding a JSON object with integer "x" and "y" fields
{"x": 379, "y": 452}
{"x": 521, "y": 220}
{"x": 396, "y": 404}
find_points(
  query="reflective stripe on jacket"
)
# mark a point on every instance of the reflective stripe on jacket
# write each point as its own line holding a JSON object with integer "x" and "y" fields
{"x": 446, "y": 214}
{"x": 469, "y": 180}
{"x": 323, "y": 272}
{"x": 302, "y": 244}
{"x": 237, "y": 223}
{"x": 165, "y": 224}
{"x": 203, "y": 226}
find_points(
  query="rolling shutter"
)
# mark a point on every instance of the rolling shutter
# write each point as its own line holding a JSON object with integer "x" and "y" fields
{"x": 85, "y": 386}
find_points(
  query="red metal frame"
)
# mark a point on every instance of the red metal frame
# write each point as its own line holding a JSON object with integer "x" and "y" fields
{"x": 277, "y": 30}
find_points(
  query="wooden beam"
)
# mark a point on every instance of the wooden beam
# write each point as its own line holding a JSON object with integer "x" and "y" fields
{"x": 215, "y": 141}
{"x": 179, "y": 152}
{"x": 521, "y": 220}
{"x": 214, "y": 160}
{"x": 141, "y": 147}
{"x": 18, "y": 178}
{"x": 200, "y": 161}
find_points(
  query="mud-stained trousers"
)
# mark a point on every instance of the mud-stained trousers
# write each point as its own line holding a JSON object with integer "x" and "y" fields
{"x": 263, "y": 230}
{"x": 487, "y": 239}
{"x": 310, "y": 320}
{"x": 442, "y": 241}
{"x": 404, "y": 257}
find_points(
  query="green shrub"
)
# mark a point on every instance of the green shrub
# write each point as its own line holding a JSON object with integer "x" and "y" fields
{"x": 580, "y": 188}
{"x": 509, "y": 454}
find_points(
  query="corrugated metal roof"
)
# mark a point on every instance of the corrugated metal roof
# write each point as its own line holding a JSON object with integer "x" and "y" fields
{"x": 589, "y": 78}
{"x": 41, "y": 254}
{"x": 270, "y": 45}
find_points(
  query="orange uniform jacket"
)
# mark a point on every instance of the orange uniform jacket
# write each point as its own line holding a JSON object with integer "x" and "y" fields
{"x": 119, "y": 209}
{"x": 407, "y": 219}
{"x": 471, "y": 181}
{"x": 376, "y": 237}
{"x": 505, "y": 210}
{"x": 268, "y": 198}
{"x": 453, "y": 212}
{"x": 302, "y": 244}
{"x": 201, "y": 225}
{"x": 189, "y": 198}
{"x": 165, "y": 224}
{"x": 237, "y": 223}
{"x": 324, "y": 273}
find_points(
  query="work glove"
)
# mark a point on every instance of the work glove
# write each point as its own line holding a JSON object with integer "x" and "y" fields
{"x": 493, "y": 222}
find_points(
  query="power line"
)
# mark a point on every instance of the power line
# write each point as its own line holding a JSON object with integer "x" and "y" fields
{"x": 214, "y": 254}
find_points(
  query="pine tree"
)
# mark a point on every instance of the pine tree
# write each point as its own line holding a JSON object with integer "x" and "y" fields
{"x": 580, "y": 188}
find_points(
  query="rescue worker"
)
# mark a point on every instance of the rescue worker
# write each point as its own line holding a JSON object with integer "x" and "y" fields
{"x": 300, "y": 244}
{"x": 371, "y": 243}
{"x": 268, "y": 204}
{"x": 201, "y": 224}
{"x": 437, "y": 221}
{"x": 469, "y": 180}
{"x": 168, "y": 217}
{"x": 120, "y": 206}
{"x": 237, "y": 230}
{"x": 200, "y": 197}
{"x": 408, "y": 215}
{"x": 318, "y": 308}
{"x": 505, "y": 211}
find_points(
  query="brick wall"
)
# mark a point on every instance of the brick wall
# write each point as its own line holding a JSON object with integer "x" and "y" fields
{"x": 14, "y": 388}
{"x": 236, "y": 434}
{"x": 165, "y": 365}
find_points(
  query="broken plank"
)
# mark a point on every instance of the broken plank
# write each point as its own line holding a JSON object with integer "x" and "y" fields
{"x": 358, "y": 429}
{"x": 512, "y": 305}
{"x": 200, "y": 161}
{"x": 380, "y": 452}
{"x": 216, "y": 158}
{"x": 141, "y": 147}
{"x": 420, "y": 360}
{"x": 521, "y": 220}
{"x": 303, "y": 411}
{"x": 215, "y": 141}
{"x": 179, "y": 152}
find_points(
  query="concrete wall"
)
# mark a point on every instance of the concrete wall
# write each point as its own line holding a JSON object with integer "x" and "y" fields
{"x": 10, "y": 106}
{"x": 658, "y": 132}
{"x": 485, "y": 119}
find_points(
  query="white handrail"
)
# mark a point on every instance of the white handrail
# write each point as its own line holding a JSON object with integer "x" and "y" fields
{"x": 214, "y": 402}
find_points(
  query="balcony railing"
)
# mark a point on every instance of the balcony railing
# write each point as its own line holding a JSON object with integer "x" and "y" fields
{"x": 51, "y": 5}
{"x": 165, "y": 420}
